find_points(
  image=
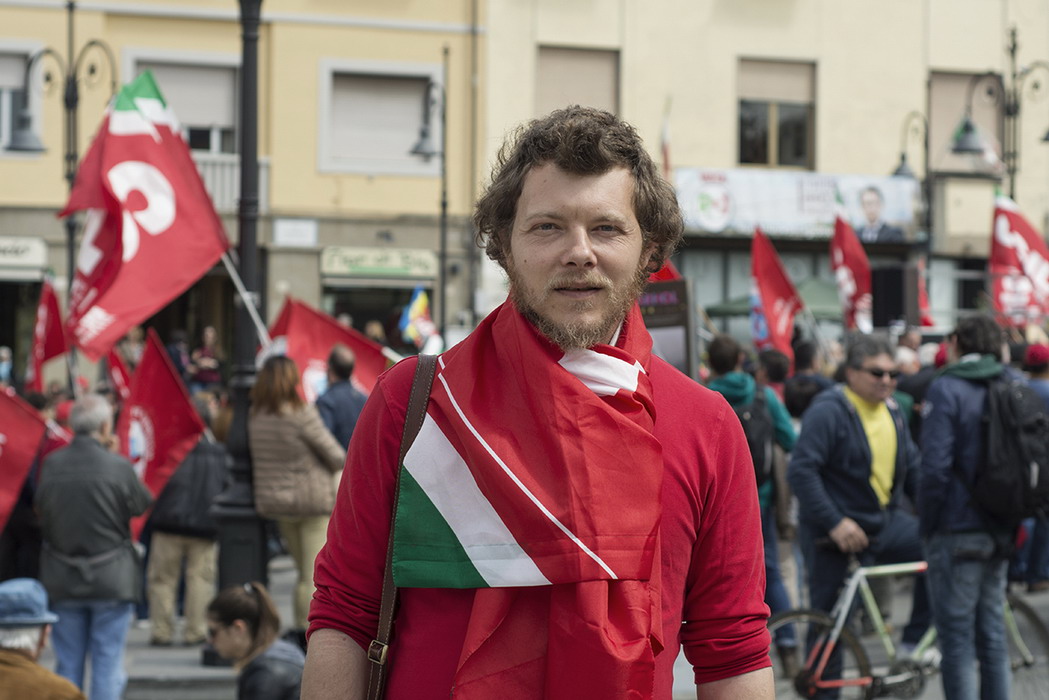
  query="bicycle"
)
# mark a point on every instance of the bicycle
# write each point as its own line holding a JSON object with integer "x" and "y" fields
{"x": 836, "y": 663}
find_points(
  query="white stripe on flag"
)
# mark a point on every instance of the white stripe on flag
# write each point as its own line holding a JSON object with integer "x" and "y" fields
{"x": 524, "y": 489}
{"x": 443, "y": 475}
{"x": 602, "y": 374}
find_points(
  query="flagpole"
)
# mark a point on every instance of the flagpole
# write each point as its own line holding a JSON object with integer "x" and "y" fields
{"x": 810, "y": 320}
{"x": 249, "y": 302}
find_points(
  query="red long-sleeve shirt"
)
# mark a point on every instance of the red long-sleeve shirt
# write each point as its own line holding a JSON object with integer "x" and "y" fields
{"x": 712, "y": 566}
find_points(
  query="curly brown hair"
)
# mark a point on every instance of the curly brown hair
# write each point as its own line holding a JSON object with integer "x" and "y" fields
{"x": 582, "y": 141}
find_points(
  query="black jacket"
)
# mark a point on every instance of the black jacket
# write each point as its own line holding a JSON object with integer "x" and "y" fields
{"x": 275, "y": 674}
{"x": 184, "y": 505}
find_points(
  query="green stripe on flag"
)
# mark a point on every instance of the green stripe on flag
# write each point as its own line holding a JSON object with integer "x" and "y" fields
{"x": 426, "y": 553}
{"x": 144, "y": 86}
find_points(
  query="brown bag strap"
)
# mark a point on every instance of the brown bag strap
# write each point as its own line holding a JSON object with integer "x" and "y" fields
{"x": 413, "y": 421}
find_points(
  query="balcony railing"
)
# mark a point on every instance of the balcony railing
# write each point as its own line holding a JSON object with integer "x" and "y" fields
{"x": 221, "y": 175}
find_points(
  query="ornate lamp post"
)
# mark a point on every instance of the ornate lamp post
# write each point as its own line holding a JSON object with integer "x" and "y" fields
{"x": 83, "y": 65}
{"x": 967, "y": 140}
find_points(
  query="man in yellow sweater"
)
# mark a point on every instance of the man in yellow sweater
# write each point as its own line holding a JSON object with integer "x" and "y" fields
{"x": 851, "y": 469}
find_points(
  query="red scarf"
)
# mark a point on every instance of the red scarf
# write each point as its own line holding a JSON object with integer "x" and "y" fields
{"x": 579, "y": 438}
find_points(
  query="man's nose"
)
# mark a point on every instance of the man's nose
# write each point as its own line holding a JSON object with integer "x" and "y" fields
{"x": 579, "y": 250}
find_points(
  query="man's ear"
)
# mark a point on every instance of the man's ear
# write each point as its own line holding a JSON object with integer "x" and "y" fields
{"x": 647, "y": 254}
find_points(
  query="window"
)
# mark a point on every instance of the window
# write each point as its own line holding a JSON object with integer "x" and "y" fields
{"x": 204, "y": 98}
{"x": 371, "y": 114}
{"x": 585, "y": 77}
{"x": 12, "y": 94}
{"x": 777, "y": 115}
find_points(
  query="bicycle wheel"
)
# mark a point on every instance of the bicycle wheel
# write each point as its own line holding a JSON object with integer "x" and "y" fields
{"x": 846, "y": 672}
{"x": 1028, "y": 652}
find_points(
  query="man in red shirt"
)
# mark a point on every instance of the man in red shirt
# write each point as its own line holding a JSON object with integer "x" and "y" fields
{"x": 573, "y": 510}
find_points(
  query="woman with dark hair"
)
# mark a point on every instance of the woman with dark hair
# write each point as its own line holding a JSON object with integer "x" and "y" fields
{"x": 242, "y": 626}
{"x": 297, "y": 463}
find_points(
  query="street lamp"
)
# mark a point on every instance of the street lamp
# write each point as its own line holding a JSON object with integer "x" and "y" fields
{"x": 915, "y": 124}
{"x": 967, "y": 139}
{"x": 426, "y": 150}
{"x": 242, "y": 544}
{"x": 83, "y": 65}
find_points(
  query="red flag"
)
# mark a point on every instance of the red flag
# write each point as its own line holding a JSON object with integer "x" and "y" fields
{"x": 1019, "y": 266}
{"x": 49, "y": 340}
{"x": 774, "y": 300}
{"x": 151, "y": 230}
{"x": 158, "y": 425}
{"x": 852, "y": 272}
{"x": 21, "y": 431}
{"x": 924, "y": 312}
{"x": 309, "y": 335}
{"x": 119, "y": 377}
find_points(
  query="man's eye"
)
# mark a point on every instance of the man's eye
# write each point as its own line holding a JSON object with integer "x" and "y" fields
{"x": 546, "y": 226}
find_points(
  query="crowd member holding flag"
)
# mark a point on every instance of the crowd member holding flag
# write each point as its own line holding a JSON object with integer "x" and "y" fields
{"x": 573, "y": 510}
{"x": 86, "y": 499}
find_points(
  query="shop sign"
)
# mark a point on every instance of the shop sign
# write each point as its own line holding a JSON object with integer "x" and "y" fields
{"x": 792, "y": 204}
{"x": 22, "y": 252}
{"x": 379, "y": 262}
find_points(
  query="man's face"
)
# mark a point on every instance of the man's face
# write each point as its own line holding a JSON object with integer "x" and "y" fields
{"x": 866, "y": 385}
{"x": 871, "y": 204}
{"x": 577, "y": 258}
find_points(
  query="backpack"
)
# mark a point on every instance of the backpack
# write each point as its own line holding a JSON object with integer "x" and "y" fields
{"x": 760, "y": 431}
{"x": 1013, "y": 482}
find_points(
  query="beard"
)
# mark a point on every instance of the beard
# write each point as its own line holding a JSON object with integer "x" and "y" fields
{"x": 578, "y": 334}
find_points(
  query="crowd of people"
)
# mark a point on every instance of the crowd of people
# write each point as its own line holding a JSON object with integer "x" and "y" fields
{"x": 90, "y": 581}
{"x": 559, "y": 512}
{"x": 882, "y": 465}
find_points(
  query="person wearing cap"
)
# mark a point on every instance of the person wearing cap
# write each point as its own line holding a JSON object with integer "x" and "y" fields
{"x": 1033, "y": 558}
{"x": 25, "y": 623}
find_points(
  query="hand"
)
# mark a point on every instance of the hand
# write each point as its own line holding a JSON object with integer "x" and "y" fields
{"x": 849, "y": 536}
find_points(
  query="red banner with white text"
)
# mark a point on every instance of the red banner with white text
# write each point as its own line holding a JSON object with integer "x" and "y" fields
{"x": 852, "y": 273}
{"x": 158, "y": 425}
{"x": 150, "y": 231}
{"x": 1019, "y": 267}
{"x": 21, "y": 432}
{"x": 774, "y": 300}
{"x": 307, "y": 336}
{"x": 49, "y": 338}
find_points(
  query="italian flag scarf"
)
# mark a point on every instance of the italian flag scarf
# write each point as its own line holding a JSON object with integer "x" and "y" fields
{"x": 536, "y": 480}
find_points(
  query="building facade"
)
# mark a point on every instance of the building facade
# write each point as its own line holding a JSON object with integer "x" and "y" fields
{"x": 768, "y": 113}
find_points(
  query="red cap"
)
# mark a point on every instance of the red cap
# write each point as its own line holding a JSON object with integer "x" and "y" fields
{"x": 1037, "y": 355}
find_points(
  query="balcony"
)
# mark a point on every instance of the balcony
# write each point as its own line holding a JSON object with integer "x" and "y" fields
{"x": 221, "y": 175}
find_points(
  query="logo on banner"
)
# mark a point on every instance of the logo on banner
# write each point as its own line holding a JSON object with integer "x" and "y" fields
{"x": 141, "y": 440}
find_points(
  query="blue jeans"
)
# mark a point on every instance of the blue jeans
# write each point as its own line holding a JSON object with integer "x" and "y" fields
{"x": 967, "y": 592}
{"x": 776, "y": 596}
{"x": 98, "y": 628}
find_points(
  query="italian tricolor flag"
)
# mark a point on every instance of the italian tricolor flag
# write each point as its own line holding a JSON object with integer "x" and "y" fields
{"x": 533, "y": 466}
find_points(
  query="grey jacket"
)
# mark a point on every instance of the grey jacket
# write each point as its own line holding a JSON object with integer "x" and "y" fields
{"x": 86, "y": 498}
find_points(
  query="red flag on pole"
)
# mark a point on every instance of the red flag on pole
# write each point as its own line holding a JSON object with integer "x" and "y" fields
{"x": 1019, "y": 266}
{"x": 119, "y": 377}
{"x": 150, "y": 231}
{"x": 21, "y": 432}
{"x": 308, "y": 336}
{"x": 852, "y": 272}
{"x": 49, "y": 338}
{"x": 158, "y": 425}
{"x": 773, "y": 299}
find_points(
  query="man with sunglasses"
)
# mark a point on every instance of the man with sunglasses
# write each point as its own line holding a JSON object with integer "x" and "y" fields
{"x": 851, "y": 468}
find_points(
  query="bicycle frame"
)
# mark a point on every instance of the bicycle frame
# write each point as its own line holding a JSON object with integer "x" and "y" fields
{"x": 858, "y": 582}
